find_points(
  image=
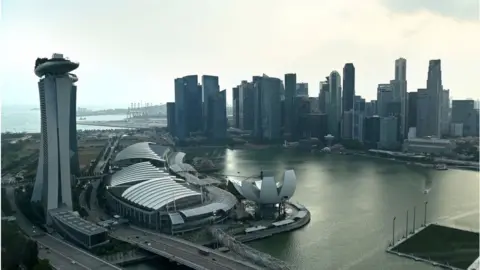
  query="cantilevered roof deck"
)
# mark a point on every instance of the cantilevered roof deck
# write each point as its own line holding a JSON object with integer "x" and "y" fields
{"x": 75, "y": 222}
{"x": 157, "y": 193}
{"x": 138, "y": 172}
{"x": 143, "y": 150}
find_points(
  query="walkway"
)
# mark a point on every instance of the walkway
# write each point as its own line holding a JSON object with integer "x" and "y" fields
{"x": 179, "y": 250}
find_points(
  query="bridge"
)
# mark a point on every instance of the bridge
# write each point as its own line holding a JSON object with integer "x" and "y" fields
{"x": 179, "y": 250}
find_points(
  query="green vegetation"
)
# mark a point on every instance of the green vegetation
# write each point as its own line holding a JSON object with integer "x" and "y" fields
{"x": 6, "y": 207}
{"x": 467, "y": 149}
{"x": 18, "y": 251}
{"x": 114, "y": 246}
{"x": 32, "y": 210}
{"x": 353, "y": 145}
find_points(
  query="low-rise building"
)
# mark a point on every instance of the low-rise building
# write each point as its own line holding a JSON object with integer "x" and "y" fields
{"x": 429, "y": 146}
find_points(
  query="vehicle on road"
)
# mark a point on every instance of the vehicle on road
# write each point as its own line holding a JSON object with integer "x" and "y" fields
{"x": 203, "y": 252}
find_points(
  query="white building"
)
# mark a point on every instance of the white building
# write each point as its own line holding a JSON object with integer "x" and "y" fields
{"x": 57, "y": 90}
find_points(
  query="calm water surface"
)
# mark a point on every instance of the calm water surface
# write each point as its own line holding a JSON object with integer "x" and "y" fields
{"x": 353, "y": 201}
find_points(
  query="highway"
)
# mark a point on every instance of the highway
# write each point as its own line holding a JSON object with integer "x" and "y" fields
{"x": 179, "y": 250}
{"x": 60, "y": 253}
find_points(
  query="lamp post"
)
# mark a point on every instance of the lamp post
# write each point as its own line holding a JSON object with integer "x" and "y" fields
{"x": 414, "y": 210}
{"x": 406, "y": 227}
{"x": 393, "y": 232}
{"x": 425, "y": 217}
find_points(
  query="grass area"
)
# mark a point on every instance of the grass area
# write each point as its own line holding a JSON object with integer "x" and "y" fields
{"x": 85, "y": 155}
{"x": 444, "y": 245}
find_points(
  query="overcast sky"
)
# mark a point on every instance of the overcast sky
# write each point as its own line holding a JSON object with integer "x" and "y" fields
{"x": 131, "y": 50}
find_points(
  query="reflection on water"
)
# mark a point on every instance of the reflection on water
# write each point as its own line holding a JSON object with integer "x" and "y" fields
{"x": 352, "y": 201}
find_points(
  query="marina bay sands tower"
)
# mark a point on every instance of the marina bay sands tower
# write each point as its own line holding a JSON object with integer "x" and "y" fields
{"x": 58, "y": 145}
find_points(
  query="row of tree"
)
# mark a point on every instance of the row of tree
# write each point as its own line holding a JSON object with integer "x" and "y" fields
{"x": 18, "y": 251}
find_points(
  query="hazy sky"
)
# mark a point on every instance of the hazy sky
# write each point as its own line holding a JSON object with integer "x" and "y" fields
{"x": 131, "y": 50}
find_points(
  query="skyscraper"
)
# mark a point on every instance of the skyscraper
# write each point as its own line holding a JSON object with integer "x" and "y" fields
{"x": 384, "y": 97}
{"x": 218, "y": 112}
{"x": 188, "y": 106}
{"x": 412, "y": 110}
{"x": 246, "y": 105}
{"x": 210, "y": 87}
{"x": 399, "y": 85}
{"x": 348, "y": 87}
{"x": 267, "y": 111}
{"x": 236, "y": 107}
{"x": 435, "y": 91}
{"x": 56, "y": 87}
{"x": 323, "y": 96}
{"x": 302, "y": 90}
{"x": 334, "y": 109}
{"x": 290, "y": 90}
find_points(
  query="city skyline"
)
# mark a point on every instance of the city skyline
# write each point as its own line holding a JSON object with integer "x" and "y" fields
{"x": 128, "y": 65}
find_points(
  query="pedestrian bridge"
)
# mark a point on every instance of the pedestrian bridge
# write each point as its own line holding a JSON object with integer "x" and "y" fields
{"x": 180, "y": 251}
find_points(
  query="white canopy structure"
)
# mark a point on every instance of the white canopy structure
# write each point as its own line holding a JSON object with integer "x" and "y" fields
{"x": 143, "y": 150}
{"x": 267, "y": 190}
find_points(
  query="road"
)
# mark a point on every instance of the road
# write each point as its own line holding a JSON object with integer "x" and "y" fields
{"x": 61, "y": 253}
{"x": 179, "y": 250}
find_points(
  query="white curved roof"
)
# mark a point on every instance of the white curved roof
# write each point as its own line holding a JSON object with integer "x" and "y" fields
{"x": 176, "y": 158}
{"x": 266, "y": 191}
{"x": 157, "y": 193}
{"x": 223, "y": 200}
{"x": 138, "y": 172}
{"x": 145, "y": 150}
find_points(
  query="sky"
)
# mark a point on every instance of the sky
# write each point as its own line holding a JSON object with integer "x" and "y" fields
{"x": 131, "y": 50}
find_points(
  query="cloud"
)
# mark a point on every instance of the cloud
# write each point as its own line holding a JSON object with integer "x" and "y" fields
{"x": 458, "y": 9}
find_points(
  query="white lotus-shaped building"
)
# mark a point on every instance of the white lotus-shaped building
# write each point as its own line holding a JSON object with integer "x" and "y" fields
{"x": 268, "y": 191}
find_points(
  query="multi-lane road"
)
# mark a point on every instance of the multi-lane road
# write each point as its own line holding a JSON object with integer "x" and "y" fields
{"x": 60, "y": 254}
{"x": 181, "y": 251}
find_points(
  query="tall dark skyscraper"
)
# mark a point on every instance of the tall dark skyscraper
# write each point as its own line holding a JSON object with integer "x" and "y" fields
{"x": 218, "y": 112}
{"x": 210, "y": 87}
{"x": 430, "y": 126}
{"x": 57, "y": 143}
{"x": 246, "y": 103}
{"x": 290, "y": 92}
{"x": 323, "y": 96}
{"x": 267, "y": 102}
{"x": 74, "y": 163}
{"x": 348, "y": 87}
{"x": 236, "y": 106}
{"x": 188, "y": 106}
{"x": 412, "y": 109}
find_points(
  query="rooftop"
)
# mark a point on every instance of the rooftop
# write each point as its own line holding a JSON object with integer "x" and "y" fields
{"x": 71, "y": 220}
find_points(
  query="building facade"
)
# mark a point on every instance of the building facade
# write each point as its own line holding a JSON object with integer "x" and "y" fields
{"x": 290, "y": 92}
{"x": 53, "y": 183}
{"x": 302, "y": 90}
{"x": 188, "y": 106}
{"x": 267, "y": 111}
{"x": 246, "y": 103}
{"x": 210, "y": 88}
{"x": 384, "y": 97}
{"x": 389, "y": 132}
{"x": 348, "y": 87}
{"x": 236, "y": 107}
{"x": 334, "y": 108}
{"x": 372, "y": 131}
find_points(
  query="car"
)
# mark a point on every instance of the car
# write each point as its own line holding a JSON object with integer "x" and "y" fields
{"x": 74, "y": 262}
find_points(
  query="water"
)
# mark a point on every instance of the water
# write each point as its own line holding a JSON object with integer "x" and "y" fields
{"x": 353, "y": 201}
{"x": 26, "y": 120}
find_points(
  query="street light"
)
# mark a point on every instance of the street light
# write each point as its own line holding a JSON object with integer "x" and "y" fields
{"x": 393, "y": 232}
{"x": 406, "y": 227}
{"x": 425, "y": 218}
{"x": 414, "y": 210}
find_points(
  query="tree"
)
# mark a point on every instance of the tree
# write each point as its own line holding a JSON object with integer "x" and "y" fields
{"x": 43, "y": 264}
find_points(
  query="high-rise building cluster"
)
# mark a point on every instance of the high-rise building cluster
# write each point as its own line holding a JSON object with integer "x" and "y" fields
{"x": 198, "y": 108}
{"x": 276, "y": 110}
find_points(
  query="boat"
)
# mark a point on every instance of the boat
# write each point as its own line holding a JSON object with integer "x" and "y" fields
{"x": 441, "y": 167}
